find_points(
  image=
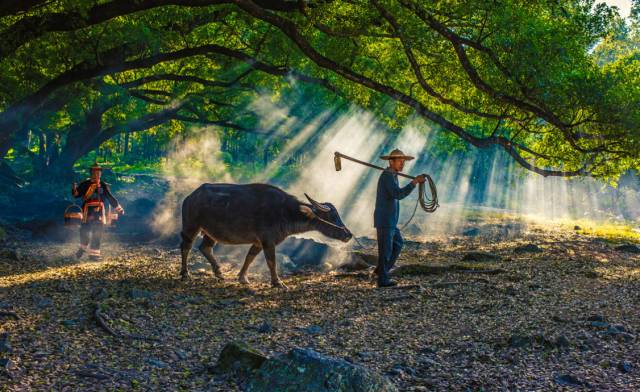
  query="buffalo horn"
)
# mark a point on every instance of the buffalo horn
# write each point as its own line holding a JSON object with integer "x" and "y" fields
{"x": 319, "y": 206}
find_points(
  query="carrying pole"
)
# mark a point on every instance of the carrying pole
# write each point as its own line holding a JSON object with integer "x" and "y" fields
{"x": 338, "y": 155}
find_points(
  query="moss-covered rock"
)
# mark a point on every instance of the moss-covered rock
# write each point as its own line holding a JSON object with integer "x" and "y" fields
{"x": 304, "y": 370}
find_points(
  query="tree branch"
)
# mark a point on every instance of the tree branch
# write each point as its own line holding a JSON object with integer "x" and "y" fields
{"x": 290, "y": 30}
{"x": 33, "y": 27}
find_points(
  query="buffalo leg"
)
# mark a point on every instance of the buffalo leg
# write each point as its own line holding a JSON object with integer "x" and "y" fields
{"x": 185, "y": 247}
{"x": 270, "y": 255}
{"x": 206, "y": 247}
{"x": 253, "y": 252}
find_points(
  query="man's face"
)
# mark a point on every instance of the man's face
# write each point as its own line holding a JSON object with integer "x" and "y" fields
{"x": 396, "y": 164}
{"x": 95, "y": 174}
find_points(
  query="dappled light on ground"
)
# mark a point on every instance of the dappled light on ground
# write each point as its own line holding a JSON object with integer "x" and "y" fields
{"x": 546, "y": 303}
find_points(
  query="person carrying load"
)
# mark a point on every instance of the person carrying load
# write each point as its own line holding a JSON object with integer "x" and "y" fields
{"x": 94, "y": 192}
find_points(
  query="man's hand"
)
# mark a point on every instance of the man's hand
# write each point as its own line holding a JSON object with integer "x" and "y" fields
{"x": 120, "y": 210}
{"x": 419, "y": 179}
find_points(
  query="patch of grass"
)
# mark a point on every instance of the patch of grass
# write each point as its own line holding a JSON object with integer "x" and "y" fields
{"x": 611, "y": 231}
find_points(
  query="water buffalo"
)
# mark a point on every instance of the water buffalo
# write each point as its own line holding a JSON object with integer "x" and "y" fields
{"x": 257, "y": 214}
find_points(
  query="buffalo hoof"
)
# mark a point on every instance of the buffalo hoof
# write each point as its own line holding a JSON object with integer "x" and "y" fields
{"x": 278, "y": 284}
{"x": 185, "y": 276}
{"x": 243, "y": 280}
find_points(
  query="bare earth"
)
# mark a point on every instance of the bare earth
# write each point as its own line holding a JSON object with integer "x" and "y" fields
{"x": 566, "y": 317}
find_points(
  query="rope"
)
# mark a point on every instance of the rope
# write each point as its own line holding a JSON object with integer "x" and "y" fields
{"x": 427, "y": 204}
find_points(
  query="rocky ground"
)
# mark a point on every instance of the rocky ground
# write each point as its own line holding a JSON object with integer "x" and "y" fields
{"x": 546, "y": 309}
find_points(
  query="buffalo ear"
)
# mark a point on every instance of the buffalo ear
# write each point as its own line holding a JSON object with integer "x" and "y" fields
{"x": 307, "y": 211}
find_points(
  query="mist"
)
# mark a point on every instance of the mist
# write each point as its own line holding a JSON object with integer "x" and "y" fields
{"x": 469, "y": 182}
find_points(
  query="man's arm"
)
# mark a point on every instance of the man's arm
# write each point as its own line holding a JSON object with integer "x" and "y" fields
{"x": 393, "y": 189}
{"x": 112, "y": 200}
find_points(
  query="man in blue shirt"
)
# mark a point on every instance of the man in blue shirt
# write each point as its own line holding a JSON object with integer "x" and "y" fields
{"x": 385, "y": 216}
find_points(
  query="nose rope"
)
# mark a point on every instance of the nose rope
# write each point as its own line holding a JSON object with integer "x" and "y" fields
{"x": 331, "y": 224}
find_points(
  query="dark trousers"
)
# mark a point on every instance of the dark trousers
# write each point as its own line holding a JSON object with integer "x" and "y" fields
{"x": 389, "y": 246}
{"x": 91, "y": 231}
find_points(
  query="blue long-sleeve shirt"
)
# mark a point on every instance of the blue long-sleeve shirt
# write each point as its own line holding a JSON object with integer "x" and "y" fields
{"x": 388, "y": 195}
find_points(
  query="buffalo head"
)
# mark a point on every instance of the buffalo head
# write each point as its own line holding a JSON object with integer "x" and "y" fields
{"x": 327, "y": 219}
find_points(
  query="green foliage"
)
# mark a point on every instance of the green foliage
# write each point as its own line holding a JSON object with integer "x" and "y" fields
{"x": 557, "y": 78}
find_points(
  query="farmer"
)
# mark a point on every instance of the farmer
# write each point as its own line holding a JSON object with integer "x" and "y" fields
{"x": 385, "y": 216}
{"x": 93, "y": 192}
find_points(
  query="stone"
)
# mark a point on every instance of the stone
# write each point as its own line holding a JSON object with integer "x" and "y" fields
{"x": 43, "y": 302}
{"x": 624, "y": 366}
{"x": 618, "y": 334}
{"x": 5, "y": 344}
{"x": 428, "y": 362}
{"x": 472, "y": 232}
{"x": 559, "y": 319}
{"x": 599, "y": 324}
{"x": 313, "y": 330}
{"x": 181, "y": 354}
{"x": 596, "y": 317}
{"x": 265, "y": 327}
{"x": 305, "y": 370}
{"x": 401, "y": 370}
{"x": 364, "y": 355}
{"x": 628, "y": 248}
{"x": 512, "y": 291}
{"x": 528, "y": 248}
{"x": 69, "y": 323}
{"x": 518, "y": 341}
{"x": 8, "y": 367}
{"x": 239, "y": 357}
{"x": 480, "y": 257}
{"x": 576, "y": 227}
{"x": 569, "y": 381}
{"x": 562, "y": 341}
{"x": 157, "y": 363}
{"x": 619, "y": 327}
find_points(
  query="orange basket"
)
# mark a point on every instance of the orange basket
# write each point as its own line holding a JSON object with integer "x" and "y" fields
{"x": 73, "y": 215}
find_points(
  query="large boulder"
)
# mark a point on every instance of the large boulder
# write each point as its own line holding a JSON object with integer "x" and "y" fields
{"x": 306, "y": 370}
{"x": 304, "y": 253}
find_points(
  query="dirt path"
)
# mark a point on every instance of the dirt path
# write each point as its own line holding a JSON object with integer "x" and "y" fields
{"x": 568, "y": 314}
